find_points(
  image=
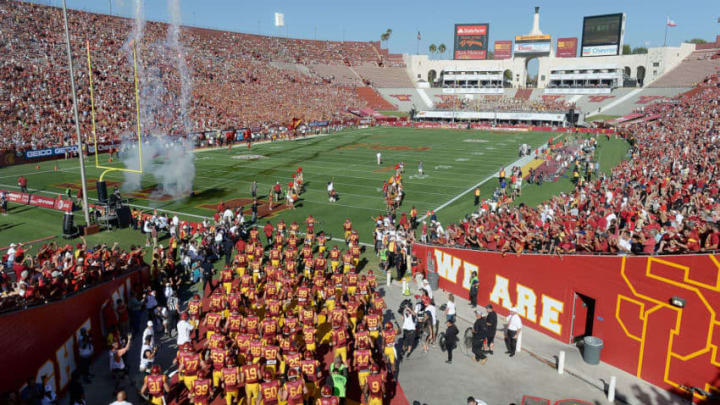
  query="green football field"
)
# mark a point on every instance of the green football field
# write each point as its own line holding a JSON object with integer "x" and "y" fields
{"x": 454, "y": 162}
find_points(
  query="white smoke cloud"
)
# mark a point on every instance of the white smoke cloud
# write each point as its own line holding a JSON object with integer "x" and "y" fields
{"x": 185, "y": 79}
{"x": 169, "y": 160}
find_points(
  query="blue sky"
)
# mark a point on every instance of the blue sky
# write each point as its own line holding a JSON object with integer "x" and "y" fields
{"x": 366, "y": 19}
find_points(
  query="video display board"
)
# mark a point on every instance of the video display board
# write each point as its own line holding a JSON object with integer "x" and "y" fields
{"x": 471, "y": 41}
{"x": 603, "y": 34}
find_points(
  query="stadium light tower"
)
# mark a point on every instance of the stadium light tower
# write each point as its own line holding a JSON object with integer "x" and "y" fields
{"x": 77, "y": 120}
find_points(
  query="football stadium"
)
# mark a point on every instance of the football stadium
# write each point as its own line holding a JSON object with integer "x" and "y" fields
{"x": 201, "y": 215}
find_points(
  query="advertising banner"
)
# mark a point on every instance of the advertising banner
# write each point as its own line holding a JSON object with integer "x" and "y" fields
{"x": 503, "y": 50}
{"x": 631, "y": 303}
{"x": 473, "y": 90}
{"x": 478, "y": 115}
{"x": 40, "y": 201}
{"x": 63, "y": 205}
{"x": 471, "y": 41}
{"x": 60, "y": 150}
{"x": 560, "y": 90}
{"x": 20, "y": 198}
{"x": 567, "y": 47}
{"x": 604, "y": 50}
{"x": 532, "y": 47}
{"x": 44, "y": 338}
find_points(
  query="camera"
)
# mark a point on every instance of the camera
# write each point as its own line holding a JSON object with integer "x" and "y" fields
{"x": 406, "y": 303}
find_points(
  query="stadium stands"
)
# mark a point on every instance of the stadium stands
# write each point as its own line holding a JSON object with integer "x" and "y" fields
{"x": 380, "y": 77}
{"x": 339, "y": 74}
{"x": 237, "y": 79}
{"x": 692, "y": 70}
{"x": 662, "y": 200}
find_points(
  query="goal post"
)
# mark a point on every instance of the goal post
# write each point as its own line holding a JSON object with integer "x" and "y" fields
{"x": 108, "y": 169}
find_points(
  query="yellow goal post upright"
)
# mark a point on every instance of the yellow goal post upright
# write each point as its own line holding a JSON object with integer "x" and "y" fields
{"x": 108, "y": 169}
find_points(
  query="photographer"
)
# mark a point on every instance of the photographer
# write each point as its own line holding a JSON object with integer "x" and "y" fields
{"x": 479, "y": 335}
{"x": 147, "y": 354}
{"x": 408, "y": 327}
{"x": 451, "y": 338}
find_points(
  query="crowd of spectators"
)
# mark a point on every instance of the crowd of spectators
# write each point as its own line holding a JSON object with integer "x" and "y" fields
{"x": 500, "y": 103}
{"x": 56, "y": 271}
{"x": 662, "y": 200}
{"x": 232, "y": 82}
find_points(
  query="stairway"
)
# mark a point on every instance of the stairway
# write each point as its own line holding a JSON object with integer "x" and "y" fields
{"x": 523, "y": 94}
{"x": 374, "y": 100}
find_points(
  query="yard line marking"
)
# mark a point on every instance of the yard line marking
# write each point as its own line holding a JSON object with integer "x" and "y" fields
{"x": 520, "y": 162}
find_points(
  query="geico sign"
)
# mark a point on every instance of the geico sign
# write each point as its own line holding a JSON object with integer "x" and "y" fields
{"x": 39, "y": 153}
{"x": 526, "y": 299}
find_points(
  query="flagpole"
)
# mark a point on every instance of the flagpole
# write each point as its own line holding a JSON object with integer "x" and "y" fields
{"x": 666, "y": 31}
{"x": 417, "y": 52}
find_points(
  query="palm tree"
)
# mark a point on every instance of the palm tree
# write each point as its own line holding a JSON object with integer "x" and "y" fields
{"x": 388, "y": 33}
{"x": 441, "y": 49}
{"x": 432, "y": 48}
{"x": 384, "y": 37}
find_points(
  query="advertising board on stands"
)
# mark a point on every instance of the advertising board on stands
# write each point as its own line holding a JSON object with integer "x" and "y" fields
{"x": 503, "y": 50}
{"x": 532, "y": 47}
{"x": 604, "y": 50}
{"x": 60, "y": 150}
{"x": 560, "y": 90}
{"x": 504, "y": 116}
{"x": 473, "y": 90}
{"x": 567, "y": 47}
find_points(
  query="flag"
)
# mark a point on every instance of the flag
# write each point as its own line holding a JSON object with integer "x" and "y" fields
{"x": 418, "y": 35}
{"x": 295, "y": 123}
{"x": 670, "y": 23}
{"x": 279, "y": 19}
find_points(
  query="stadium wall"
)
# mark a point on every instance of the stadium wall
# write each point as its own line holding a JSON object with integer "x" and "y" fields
{"x": 643, "y": 332}
{"x": 43, "y": 340}
{"x": 656, "y": 62}
{"x": 419, "y": 66}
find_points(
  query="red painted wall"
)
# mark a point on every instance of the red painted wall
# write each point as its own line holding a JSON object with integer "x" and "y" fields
{"x": 643, "y": 334}
{"x": 43, "y": 340}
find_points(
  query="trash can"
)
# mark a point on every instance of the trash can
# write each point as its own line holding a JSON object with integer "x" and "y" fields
{"x": 592, "y": 346}
{"x": 433, "y": 279}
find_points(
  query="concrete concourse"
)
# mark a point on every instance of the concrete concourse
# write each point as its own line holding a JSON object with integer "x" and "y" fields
{"x": 426, "y": 378}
